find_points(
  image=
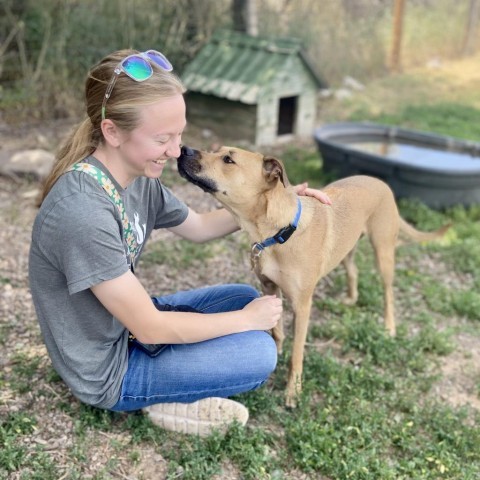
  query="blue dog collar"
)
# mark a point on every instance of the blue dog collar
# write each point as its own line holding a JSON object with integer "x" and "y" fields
{"x": 281, "y": 236}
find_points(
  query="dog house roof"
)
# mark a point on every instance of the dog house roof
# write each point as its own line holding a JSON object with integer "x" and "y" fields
{"x": 237, "y": 66}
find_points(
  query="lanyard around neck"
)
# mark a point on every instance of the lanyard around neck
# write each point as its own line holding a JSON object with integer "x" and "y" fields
{"x": 109, "y": 187}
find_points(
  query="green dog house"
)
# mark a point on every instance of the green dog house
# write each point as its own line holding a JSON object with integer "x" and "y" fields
{"x": 252, "y": 89}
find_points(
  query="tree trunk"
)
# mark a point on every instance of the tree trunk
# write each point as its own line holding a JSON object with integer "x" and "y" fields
{"x": 398, "y": 13}
{"x": 245, "y": 17}
{"x": 472, "y": 22}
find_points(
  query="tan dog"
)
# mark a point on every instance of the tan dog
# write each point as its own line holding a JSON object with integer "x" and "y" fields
{"x": 256, "y": 190}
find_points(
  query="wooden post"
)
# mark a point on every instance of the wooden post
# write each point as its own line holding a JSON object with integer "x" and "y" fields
{"x": 472, "y": 21}
{"x": 398, "y": 13}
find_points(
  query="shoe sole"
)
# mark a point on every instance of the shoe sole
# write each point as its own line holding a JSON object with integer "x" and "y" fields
{"x": 198, "y": 418}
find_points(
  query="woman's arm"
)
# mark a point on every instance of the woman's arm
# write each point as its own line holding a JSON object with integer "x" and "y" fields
{"x": 201, "y": 227}
{"x": 126, "y": 299}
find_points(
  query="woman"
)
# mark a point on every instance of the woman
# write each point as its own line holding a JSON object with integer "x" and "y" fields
{"x": 97, "y": 320}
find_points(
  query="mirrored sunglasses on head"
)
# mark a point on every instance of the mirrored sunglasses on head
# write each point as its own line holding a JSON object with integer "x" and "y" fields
{"x": 138, "y": 67}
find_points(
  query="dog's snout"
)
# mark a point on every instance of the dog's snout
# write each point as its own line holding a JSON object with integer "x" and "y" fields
{"x": 190, "y": 168}
{"x": 187, "y": 151}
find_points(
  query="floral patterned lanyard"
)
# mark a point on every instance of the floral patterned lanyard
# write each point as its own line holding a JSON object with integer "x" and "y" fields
{"x": 107, "y": 185}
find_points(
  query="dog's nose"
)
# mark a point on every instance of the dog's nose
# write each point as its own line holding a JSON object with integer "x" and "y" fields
{"x": 187, "y": 151}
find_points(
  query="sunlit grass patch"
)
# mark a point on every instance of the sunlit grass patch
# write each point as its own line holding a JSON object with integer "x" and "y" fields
{"x": 374, "y": 425}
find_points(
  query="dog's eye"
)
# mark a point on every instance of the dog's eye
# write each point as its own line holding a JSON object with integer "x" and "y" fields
{"x": 228, "y": 159}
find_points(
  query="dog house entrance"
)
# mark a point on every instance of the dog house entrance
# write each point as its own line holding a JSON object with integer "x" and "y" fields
{"x": 286, "y": 115}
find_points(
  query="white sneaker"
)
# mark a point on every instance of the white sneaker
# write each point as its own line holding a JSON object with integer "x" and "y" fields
{"x": 198, "y": 418}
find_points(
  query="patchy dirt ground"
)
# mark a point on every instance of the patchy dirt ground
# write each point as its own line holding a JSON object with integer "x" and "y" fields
{"x": 20, "y": 339}
{"x": 19, "y": 331}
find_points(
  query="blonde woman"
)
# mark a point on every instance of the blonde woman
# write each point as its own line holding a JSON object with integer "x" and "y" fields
{"x": 176, "y": 356}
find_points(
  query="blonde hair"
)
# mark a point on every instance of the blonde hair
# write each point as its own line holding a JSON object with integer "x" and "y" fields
{"x": 123, "y": 108}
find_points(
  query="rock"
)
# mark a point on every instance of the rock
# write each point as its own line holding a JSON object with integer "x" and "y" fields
{"x": 31, "y": 193}
{"x": 343, "y": 94}
{"x": 326, "y": 93}
{"x": 353, "y": 84}
{"x": 36, "y": 163}
{"x": 434, "y": 63}
{"x": 207, "y": 133}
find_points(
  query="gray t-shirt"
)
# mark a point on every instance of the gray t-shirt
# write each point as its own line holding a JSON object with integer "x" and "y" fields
{"x": 77, "y": 242}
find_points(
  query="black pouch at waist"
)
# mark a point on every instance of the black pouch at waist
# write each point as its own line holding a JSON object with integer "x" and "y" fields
{"x": 154, "y": 349}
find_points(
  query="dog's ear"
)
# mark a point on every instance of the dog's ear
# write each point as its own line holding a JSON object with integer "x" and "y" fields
{"x": 274, "y": 170}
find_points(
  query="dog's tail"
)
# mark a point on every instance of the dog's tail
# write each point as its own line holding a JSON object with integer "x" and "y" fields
{"x": 407, "y": 232}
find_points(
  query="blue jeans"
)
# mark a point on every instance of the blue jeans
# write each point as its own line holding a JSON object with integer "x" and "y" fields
{"x": 220, "y": 367}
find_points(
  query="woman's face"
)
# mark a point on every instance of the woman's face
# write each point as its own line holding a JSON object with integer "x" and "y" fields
{"x": 146, "y": 149}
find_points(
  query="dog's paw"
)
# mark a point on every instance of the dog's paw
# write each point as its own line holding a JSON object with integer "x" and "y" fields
{"x": 392, "y": 332}
{"x": 349, "y": 301}
{"x": 291, "y": 395}
{"x": 291, "y": 402}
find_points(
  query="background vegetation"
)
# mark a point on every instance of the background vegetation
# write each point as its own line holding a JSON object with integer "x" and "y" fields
{"x": 372, "y": 407}
{"x": 47, "y": 46}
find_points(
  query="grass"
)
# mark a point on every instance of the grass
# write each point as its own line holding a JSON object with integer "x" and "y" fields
{"x": 369, "y": 409}
{"x": 452, "y": 119}
{"x": 37, "y": 465}
{"x": 180, "y": 253}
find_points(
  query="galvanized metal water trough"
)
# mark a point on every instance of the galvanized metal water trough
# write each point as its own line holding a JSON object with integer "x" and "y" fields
{"x": 440, "y": 171}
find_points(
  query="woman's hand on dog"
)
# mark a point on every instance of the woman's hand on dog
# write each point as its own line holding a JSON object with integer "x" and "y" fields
{"x": 305, "y": 190}
{"x": 264, "y": 312}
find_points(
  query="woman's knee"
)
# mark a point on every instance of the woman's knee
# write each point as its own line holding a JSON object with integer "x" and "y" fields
{"x": 271, "y": 354}
{"x": 263, "y": 353}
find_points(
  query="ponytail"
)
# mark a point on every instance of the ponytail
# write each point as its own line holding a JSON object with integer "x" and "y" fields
{"x": 78, "y": 145}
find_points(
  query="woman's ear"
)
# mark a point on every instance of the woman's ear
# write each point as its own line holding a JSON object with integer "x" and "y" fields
{"x": 111, "y": 133}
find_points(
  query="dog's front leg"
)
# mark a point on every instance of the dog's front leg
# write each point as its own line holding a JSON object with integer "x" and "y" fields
{"x": 302, "y": 308}
{"x": 352, "y": 278}
{"x": 271, "y": 288}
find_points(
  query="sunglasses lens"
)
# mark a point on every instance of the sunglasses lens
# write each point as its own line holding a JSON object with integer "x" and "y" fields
{"x": 160, "y": 59}
{"x": 137, "y": 68}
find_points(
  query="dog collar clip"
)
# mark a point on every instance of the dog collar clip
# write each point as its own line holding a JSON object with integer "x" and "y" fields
{"x": 281, "y": 236}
